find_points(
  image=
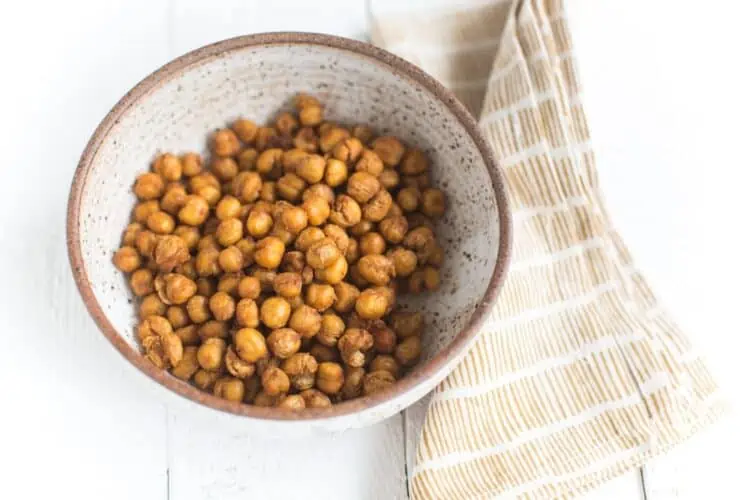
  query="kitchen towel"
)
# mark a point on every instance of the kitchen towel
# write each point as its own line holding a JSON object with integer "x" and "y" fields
{"x": 579, "y": 374}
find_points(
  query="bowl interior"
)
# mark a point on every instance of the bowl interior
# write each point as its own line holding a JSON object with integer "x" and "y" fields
{"x": 178, "y": 113}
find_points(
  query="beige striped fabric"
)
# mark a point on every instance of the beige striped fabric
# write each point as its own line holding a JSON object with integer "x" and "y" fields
{"x": 579, "y": 374}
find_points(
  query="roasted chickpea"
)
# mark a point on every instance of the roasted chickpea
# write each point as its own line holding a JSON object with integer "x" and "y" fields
{"x": 197, "y": 309}
{"x": 188, "y": 365}
{"x": 249, "y": 288}
{"x": 422, "y": 241}
{"x": 416, "y": 220}
{"x": 190, "y": 235}
{"x": 409, "y": 199}
{"x": 376, "y": 269}
{"x": 362, "y": 132}
{"x": 266, "y": 278}
{"x": 247, "y": 186}
{"x": 346, "y": 297}
{"x": 269, "y": 163}
{"x": 194, "y": 212}
{"x": 346, "y": 211}
{"x": 229, "y": 388}
{"x": 207, "y": 262}
{"x": 160, "y": 222}
{"x": 307, "y": 238}
{"x": 174, "y": 288}
{"x": 384, "y": 339}
{"x": 284, "y": 342}
{"x": 389, "y": 149}
{"x": 389, "y": 179}
{"x": 322, "y": 253}
{"x": 315, "y": 399}
{"x": 250, "y": 344}
{"x": 266, "y": 137}
{"x": 292, "y": 159}
{"x": 231, "y": 259}
{"x": 311, "y": 168}
{"x": 282, "y": 234}
{"x": 225, "y": 169}
{"x": 201, "y": 180}
{"x": 130, "y": 234}
{"x": 290, "y": 187}
{"x": 369, "y": 162}
{"x": 353, "y": 379}
{"x": 372, "y": 303}
{"x": 306, "y": 140}
{"x": 275, "y": 381}
{"x": 266, "y": 400}
{"x": 142, "y": 282}
{"x": 151, "y": 305}
{"x": 335, "y": 273}
{"x": 356, "y": 277}
{"x": 407, "y": 353}
{"x": 127, "y": 259}
{"x": 275, "y": 312}
{"x": 321, "y": 191}
{"x": 362, "y": 186}
{"x": 348, "y": 150}
{"x": 431, "y": 278}
{"x": 336, "y": 172}
{"x": 222, "y": 306}
{"x": 213, "y": 329}
{"x": 377, "y": 381}
{"x": 361, "y": 228}
{"x": 420, "y": 181}
{"x": 160, "y": 344}
{"x": 229, "y": 232}
{"x": 293, "y": 402}
{"x": 323, "y": 353}
{"x": 211, "y": 353}
{"x": 310, "y": 116}
{"x": 294, "y": 219}
{"x": 259, "y": 224}
{"x": 225, "y": 143}
{"x": 210, "y": 193}
{"x": 245, "y": 129}
{"x": 386, "y": 363}
{"x": 173, "y": 199}
{"x": 286, "y": 123}
{"x": 228, "y": 207}
{"x": 331, "y": 137}
{"x": 247, "y": 159}
{"x": 352, "y": 252}
{"x": 404, "y": 261}
{"x": 436, "y": 257}
{"x": 378, "y": 207}
{"x": 395, "y": 211}
{"x": 330, "y": 377}
{"x": 192, "y": 164}
{"x": 320, "y": 297}
{"x": 205, "y": 379}
{"x": 353, "y": 344}
{"x": 288, "y": 285}
{"x": 433, "y": 202}
{"x": 372, "y": 244}
{"x": 305, "y": 320}
{"x": 414, "y": 162}
{"x": 149, "y": 186}
{"x": 247, "y": 313}
{"x": 252, "y": 388}
{"x": 293, "y": 262}
{"x": 269, "y": 251}
{"x": 238, "y": 366}
{"x": 317, "y": 210}
{"x": 338, "y": 235}
{"x": 407, "y": 324}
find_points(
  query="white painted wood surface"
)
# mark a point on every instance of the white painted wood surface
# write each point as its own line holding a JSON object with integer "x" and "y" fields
{"x": 76, "y": 421}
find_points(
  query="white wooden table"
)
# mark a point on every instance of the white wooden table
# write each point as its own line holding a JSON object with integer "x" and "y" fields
{"x": 77, "y": 422}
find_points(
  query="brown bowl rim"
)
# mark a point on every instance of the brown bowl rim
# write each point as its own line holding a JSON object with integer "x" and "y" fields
{"x": 456, "y": 347}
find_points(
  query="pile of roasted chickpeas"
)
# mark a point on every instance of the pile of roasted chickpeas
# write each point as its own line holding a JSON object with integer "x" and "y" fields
{"x": 271, "y": 276}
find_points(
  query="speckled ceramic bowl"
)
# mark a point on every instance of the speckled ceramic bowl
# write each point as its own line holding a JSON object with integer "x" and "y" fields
{"x": 254, "y": 76}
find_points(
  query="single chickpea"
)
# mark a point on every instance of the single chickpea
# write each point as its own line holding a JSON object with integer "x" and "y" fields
{"x": 353, "y": 344}
{"x": 130, "y": 233}
{"x": 437, "y": 257}
{"x": 319, "y": 190}
{"x": 292, "y": 159}
{"x": 197, "y": 309}
{"x": 315, "y": 399}
{"x": 294, "y": 219}
{"x": 249, "y": 288}
{"x": 247, "y": 247}
{"x": 250, "y": 344}
{"x": 247, "y": 159}
{"x": 431, "y": 278}
{"x": 210, "y": 193}
{"x": 127, "y": 259}
{"x": 323, "y": 353}
{"x": 359, "y": 229}
{"x": 228, "y": 207}
{"x": 194, "y": 212}
{"x": 151, "y": 305}
{"x": 331, "y": 329}
{"x": 265, "y": 138}
{"x": 378, "y": 207}
{"x": 389, "y": 149}
{"x": 174, "y": 288}
{"x": 346, "y": 211}
{"x": 308, "y": 237}
{"x": 370, "y": 163}
{"x": 331, "y": 137}
{"x": 238, "y": 366}
{"x": 230, "y": 259}
{"x": 422, "y": 241}
{"x": 247, "y": 186}
{"x": 317, "y": 210}
{"x": 384, "y": 339}
{"x": 338, "y": 235}
{"x": 395, "y": 211}
{"x": 187, "y": 269}
{"x": 222, "y": 306}
{"x": 433, "y": 202}
{"x": 149, "y": 186}
{"x": 288, "y": 285}
{"x": 404, "y": 261}
{"x": 389, "y": 179}
{"x": 188, "y": 365}
{"x": 247, "y": 313}
{"x": 142, "y": 282}
{"x": 190, "y": 235}
{"x": 269, "y": 163}
{"x": 346, "y": 297}
{"x": 192, "y": 164}
{"x": 284, "y": 342}
{"x": 211, "y": 353}
{"x": 330, "y": 378}
{"x": 352, "y": 251}
{"x": 407, "y": 324}
{"x": 376, "y": 269}
{"x": 348, "y": 150}
{"x": 311, "y": 168}
{"x": 259, "y": 224}
{"x": 322, "y": 253}
{"x": 306, "y": 140}
{"x": 336, "y": 172}
{"x": 201, "y": 180}
{"x": 372, "y": 244}
{"x": 310, "y": 116}
{"x": 377, "y": 381}
{"x": 302, "y": 101}
{"x": 372, "y": 303}
{"x": 275, "y": 312}
{"x": 266, "y": 278}
{"x": 407, "y": 353}
{"x": 362, "y": 186}
{"x": 206, "y": 286}
{"x": 334, "y": 273}
{"x": 290, "y": 187}
{"x": 229, "y": 232}
{"x": 268, "y": 192}
{"x": 207, "y": 262}
{"x": 293, "y": 402}
{"x": 362, "y": 132}
{"x": 264, "y": 400}
{"x": 306, "y": 321}
{"x": 213, "y": 329}
{"x": 173, "y": 199}
{"x": 269, "y": 251}
{"x": 160, "y": 222}
{"x": 229, "y": 388}
{"x": 293, "y": 262}
{"x": 386, "y": 363}
{"x": 286, "y": 123}
{"x": 225, "y": 169}
{"x": 205, "y": 379}
{"x": 282, "y": 234}
{"x": 245, "y": 129}
{"x": 319, "y": 296}
{"x": 353, "y": 380}
{"x": 409, "y": 199}
{"x": 355, "y": 276}
{"x": 225, "y": 143}
{"x": 275, "y": 381}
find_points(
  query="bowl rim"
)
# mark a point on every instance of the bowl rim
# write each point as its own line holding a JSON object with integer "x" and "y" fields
{"x": 449, "y": 354}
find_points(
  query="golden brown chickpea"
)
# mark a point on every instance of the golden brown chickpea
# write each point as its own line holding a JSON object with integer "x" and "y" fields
{"x": 306, "y": 140}
{"x": 238, "y": 366}
{"x": 211, "y": 353}
{"x": 130, "y": 234}
{"x": 160, "y": 222}
{"x": 395, "y": 211}
{"x": 266, "y": 400}
{"x": 335, "y": 273}
{"x": 210, "y": 193}
{"x": 247, "y": 186}
{"x": 377, "y": 381}
{"x": 372, "y": 244}
{"x": 348, "y": 150}
{"x": 362, "y": 132}
{"x": 323, "y": 353}
{"x": 360, "y": 228}
{"x": 336, "y": 172}
{"x": 250, "y": 344}
{"x": 355, "y": 276}
{"x": 151, "y": 305}
{"x": 247, "y": 159}
{"x": 213, "y": 329}
{"x": 389, "y": 149}
{"x": 290, "y": 187}
{"x": 322, "y": 253}
{"x": 197, "y": 309}
{"x": 275, "y": 312}
{"x": 407, "y": 353}
{"x": 369, "y": 163}
{"x": 408, "y": 199}
{"x": 206, "y": 286}
{"x": 247, "y": 247}
{"x": 207, "y": 262}
{"x": 259, "y": 224}
{"x": 266, "y": 278}
{"x": 415, "y": 283}
{"x": 407, "y": 324}
{"x": 384, "y": 339}
{"x": 385, "y": 363}
{"x": 310, "y": 116}
{"x": 187, "y": 269}
{"x": 148, "y": 186}
{"x": 293, "y": 402}
{"x": 269, "y": 163}
{"x": 231, "y": 259}
{"x": 421, "y": 181}
{"x": 437, "y": 257}
{"x": 265, "y": 138}
{"x": 378, "y": 207}
{"x": 319, "y": 296}
{"x": 422, "y": 241}
{"x": 127, "y": 259}
{"x": 307, "y": 238}
{"x": 330, "y": 377}
{"x": 286, "y": 123}
{"x": 414, "y": 162}
{"x": 315, "y": 399}
{"x": 346, "y": 297}
{"x": 249, "y": 288}
{"x": 311, "y": 168}
{"x": 296, "y": 302}
{"x": 222, "y": 306}
{"x": 338, "y": 235}
{"x": 331, "y": 329}
{"x": 389, "y": 179}
{"x": 331, "y": 136}
{"x": 294, "y": 219}
{"x": 352, "y": 387}
{"x": 173, "y": 199}
{"x": 188, "y": 365}
{"x": 269, "y": 251}
{"x": 362, "y": 186}
{"x": 247, "y": 313}
{"x": 433, "y": 202}
{"x": 288, "y": 285}
{"x": 352, "y": 252}
{"x": 291, "y": 160}
{"x": 275, "y": 381}
{"x": 205, "y": 379}
{"x": 293, "y": 262}
{"x": 225, "y": 143}
{"x": 317, "y": 210}
{"x": 225, "y": 169}
{"x": 201, "y": 180}
{"x": 372, "y": 303}
{"x": 431, "y": 278}
{"x": 228, "y": 207}
{"x": 194, "y": 212}
{"x": 404, "y": 261}
{"x": 306, "y": 321}
{"x": 229, "y": 388}
{"x": 245, "y": 129}
{"x": 142, "y": 282}
{"x": 353, "y": 344}
{"x": 346, "y": 211}
{"x": 282, "y": 234}
{"x": 190, "y": 235}
{"x": 188, "y": 335}
{"x": 229, "y": 232}
{"x": 192, "y": 164}
{"x": 376, "y": 269}
{"x": 284, "y": 342}
{"x": 174, "y": 288}
{"x": 319, "y": 190}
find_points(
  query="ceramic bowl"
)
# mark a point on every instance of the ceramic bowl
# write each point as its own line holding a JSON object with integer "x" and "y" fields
{"x": 175, "y": 108}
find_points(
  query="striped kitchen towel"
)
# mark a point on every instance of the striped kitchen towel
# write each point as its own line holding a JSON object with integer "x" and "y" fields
{"x": 579, "y": 375}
